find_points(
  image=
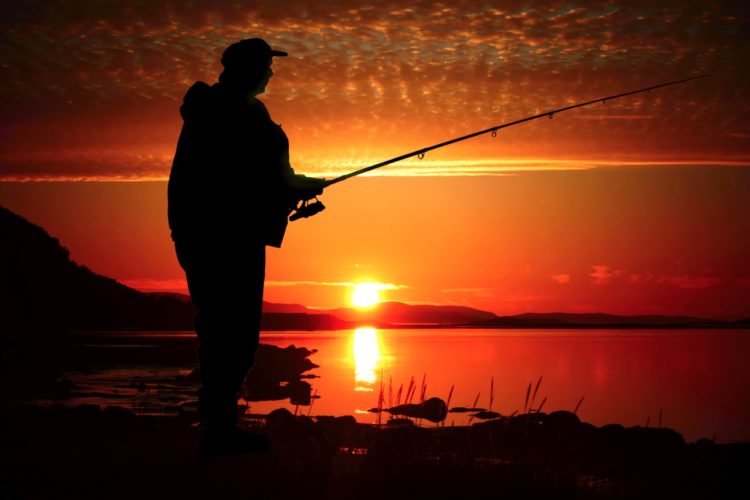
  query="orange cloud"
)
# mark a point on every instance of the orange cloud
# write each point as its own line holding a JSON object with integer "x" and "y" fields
{"x": 603, "y": 274}
{"x": 562, "y": 279}
{"x": 94, "y": 92}
{"x": 691, "y": 282}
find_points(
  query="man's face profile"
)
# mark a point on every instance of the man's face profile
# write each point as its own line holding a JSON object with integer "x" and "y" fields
{"x": 265, "y": 80}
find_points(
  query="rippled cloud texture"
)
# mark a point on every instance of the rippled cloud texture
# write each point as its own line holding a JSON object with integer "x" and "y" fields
{"x": 91, "y": 89}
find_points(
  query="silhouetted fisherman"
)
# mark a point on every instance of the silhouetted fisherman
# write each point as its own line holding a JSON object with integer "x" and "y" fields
{"x": 230, "y": 191}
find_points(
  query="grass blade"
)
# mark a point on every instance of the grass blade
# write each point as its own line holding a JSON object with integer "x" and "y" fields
{"x": 575, "y": 412}
{"x": 536, "y": 390}
{"x": 450, "y": 395}
{"x": 526, "y": 401}
{"x": 312, "y": 401}
{"x": 492, "y": 391}
{"x": 539, "y": 410}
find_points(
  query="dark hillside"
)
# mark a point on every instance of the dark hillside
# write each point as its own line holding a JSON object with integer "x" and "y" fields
{"x": 41, "y": 288}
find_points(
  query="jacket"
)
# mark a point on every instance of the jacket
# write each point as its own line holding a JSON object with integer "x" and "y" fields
{"x": 230, "y": 177}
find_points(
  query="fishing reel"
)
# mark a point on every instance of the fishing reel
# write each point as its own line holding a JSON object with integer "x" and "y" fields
{"x": 308, "y": 208}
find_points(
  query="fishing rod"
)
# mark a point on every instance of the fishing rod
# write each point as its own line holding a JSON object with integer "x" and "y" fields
{"x": 307, "y": 210}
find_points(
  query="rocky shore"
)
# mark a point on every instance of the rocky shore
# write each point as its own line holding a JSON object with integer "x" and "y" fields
{"x": 87, "y": 452}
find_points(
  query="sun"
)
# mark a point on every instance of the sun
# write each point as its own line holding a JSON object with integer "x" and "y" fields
{"x": 365, "y": 295}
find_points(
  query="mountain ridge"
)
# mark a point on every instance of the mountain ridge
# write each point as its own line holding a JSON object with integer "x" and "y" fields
{"x": 42, "y": 289}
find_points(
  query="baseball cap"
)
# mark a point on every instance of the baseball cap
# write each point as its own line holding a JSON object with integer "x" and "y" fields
{"x": 249, "y": 50}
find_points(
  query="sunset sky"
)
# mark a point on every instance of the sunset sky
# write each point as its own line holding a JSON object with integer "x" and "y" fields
{"x": 636, "y": 206}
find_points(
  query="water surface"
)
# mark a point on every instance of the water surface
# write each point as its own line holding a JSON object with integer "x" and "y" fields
{"x": 695, "y": 381}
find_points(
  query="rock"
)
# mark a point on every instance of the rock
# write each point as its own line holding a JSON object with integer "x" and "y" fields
{"x": 400, "y": 422}
{"x": 463, "y": 409}
{"x": 279, "y": 416}
{"x": 705, "y": 443}
{"x": 433, "y": 409}
{"x": 346, "y": 421}
{"x": 337, "y": 424}
{"x": 486, "y": 415}
{"x": 611, "y": 428}
{"x": 562, "y": 422}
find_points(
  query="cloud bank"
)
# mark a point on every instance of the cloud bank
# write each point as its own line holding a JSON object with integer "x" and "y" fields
{"x": 90, "y": 89}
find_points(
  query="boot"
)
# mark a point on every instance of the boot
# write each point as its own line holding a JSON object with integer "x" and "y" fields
{"x": 220, "y": 435}
{"x": 231, "y": 442}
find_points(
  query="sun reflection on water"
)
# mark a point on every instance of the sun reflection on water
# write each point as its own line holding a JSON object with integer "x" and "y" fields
{"x": 367, "y": 357}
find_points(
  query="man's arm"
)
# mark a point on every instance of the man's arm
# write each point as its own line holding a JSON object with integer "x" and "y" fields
{"x": 305, "y": 188}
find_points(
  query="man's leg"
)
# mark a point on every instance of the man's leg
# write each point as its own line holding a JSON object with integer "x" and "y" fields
{"x": 228, "y": 293}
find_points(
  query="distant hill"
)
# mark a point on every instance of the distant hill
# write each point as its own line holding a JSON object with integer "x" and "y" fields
{"x": 270, "y": 307}
{"x": 397, "y": 313}
{"x": 601, "y": 320}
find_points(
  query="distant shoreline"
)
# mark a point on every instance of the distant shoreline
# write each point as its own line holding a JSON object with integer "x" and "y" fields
{"x": 720, "y": 326}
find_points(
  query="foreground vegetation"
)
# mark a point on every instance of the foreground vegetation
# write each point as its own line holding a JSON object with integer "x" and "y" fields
{"x": 85, "y": 452}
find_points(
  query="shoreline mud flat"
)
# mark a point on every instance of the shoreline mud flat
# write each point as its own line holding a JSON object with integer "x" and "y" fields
{"x": 88, "y": 452}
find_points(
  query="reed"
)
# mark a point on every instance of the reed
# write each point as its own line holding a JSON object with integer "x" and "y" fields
{"x": 536, "y": 390}
{"x": 541, "y": 405}
{"x": 380, "y": 399}
{"x": 390, "y": 391}
{"x": 409, "y": 391}
{"x": 450, "y": 395}
{"x": 580, "y": 401}
{"x": 492, "y": 392}
{"x": 448, "y": 402}
{"x": 476, "y": 400}
{"x": 398, "y": 394}
{"x": 312, "y": 402}
{"x": 422, "y": 394}
{"x": 526, "y": 401}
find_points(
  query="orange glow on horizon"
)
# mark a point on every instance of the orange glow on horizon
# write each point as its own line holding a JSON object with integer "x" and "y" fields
{"x": 618, "y": 240}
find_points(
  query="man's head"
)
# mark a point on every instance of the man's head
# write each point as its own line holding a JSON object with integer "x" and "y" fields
{"x": 247, "y": 64}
